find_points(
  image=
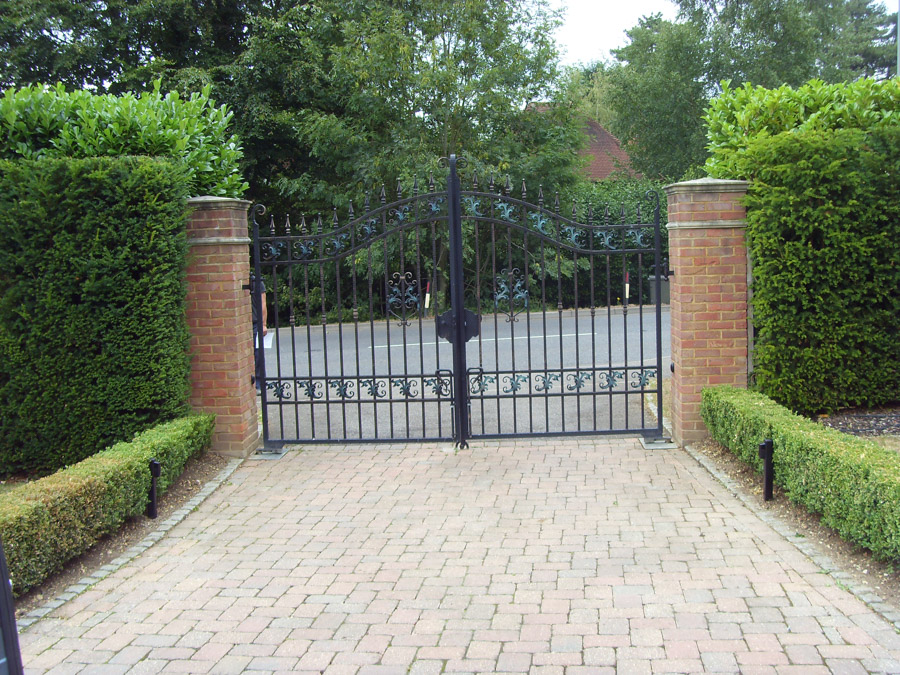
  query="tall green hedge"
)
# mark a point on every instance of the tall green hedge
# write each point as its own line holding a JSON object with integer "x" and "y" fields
{"x": 823, "y": 215}
{"x": 41, "y": 122}
{"x": 93, "y": 340}
{"x": 741, "y": 115}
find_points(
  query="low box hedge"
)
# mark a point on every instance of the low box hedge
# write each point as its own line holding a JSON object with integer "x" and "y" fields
{"x": 48, "y": 522}
{"x": 852, "y": 482}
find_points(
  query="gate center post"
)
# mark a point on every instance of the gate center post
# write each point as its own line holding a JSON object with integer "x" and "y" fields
{"x": 461, "y": 387}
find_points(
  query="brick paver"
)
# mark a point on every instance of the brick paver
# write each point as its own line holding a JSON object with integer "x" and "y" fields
{"x": 552, "y": 556}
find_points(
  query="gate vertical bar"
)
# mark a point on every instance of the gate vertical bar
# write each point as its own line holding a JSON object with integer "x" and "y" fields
{"x": 457, "y": 296}
{"x": 256, "y": 298}
{"x": 657, "y": 246}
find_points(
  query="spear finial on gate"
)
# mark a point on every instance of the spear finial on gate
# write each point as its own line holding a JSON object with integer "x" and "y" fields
{"x": 606, "y": 215}
{"x": 399, "y": 190}
{"x": 475, "y": 181}
{"x": 287, "y": 224}
{"x": 507, "y": 188}
{"x": 491, "y": 187}
{"x": 415, "y": 186}
{"x": 524, "y": 191}
{"x": 383, "y": 195}
{"x": 334, "y": 221}
{"x": 541, "y": 196}
{"x": 574, "y": 212}
{"x": 320, "y": 226}
{"x": 302, "y": 223}
{"x": 590, "y": 214}
{"x": 272, "y": 226}
{"x": 366, "y": 207}
{"x": 350, "y": 213}
{"x": 556, "y": 203}
{"x": 622, "y": 214}
{"x": 431, "y": 183}
{"x": 639, "y": 219}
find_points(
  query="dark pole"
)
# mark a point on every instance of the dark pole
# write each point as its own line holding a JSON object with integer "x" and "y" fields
{"x": 767, "y": 455}
{"x": 155, "y": 473}
{"x": 461, "y": 395}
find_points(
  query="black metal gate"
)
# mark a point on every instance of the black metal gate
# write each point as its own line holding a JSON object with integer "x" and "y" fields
{"x": 453, "y": 314}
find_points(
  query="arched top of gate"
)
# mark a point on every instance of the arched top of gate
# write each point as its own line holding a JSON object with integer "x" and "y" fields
{"x": 609, "y": 231}
{"x": 317, "y": 239}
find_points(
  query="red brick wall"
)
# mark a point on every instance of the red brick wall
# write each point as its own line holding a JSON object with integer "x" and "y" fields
{"x": 708, "y": 256}
{"x": 220, "y": 321}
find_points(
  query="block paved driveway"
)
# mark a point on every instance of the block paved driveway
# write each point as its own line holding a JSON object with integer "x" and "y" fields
{"x": 552, "y": 556}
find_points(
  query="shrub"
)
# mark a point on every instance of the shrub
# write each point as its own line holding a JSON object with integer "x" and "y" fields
{"x": 853, "y": 483}
{"x": 738, "y": 116}
{"x": 823, "y": 216}
{"x": 93, "y": 339}
{"x": 42, "y": 122}
{"x": 52, "y": 520}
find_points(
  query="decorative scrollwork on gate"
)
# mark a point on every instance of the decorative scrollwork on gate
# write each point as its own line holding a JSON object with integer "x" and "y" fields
{"x": 578, "y": 380}
{"x": 505, "y": 211}
{"x": 406, "y": 386}
{"x": 478, "y": 384}
{"x": 545, "y": 382}
{"x": 642, "y": 378}
{"x": 342, "y": 388}
{"x": 539, "y": 222}
{"x": 514, "y": 383}
{"x": 403, "y": 299}
{"x": 511, "y": 291}
{"x": 609, "y": 380}
{"x": 440, "y": 386}
{"x": 375, "y": 388}
{"x": 311, "y": 388}
{"x": 280, "y": 390}
{"x": 472, "y": 207}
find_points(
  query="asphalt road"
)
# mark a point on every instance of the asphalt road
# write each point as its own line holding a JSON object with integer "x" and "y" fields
{"x": 554, "y": 373}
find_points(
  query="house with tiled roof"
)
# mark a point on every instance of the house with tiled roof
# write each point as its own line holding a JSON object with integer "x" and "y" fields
{"x": 605, "y": 153}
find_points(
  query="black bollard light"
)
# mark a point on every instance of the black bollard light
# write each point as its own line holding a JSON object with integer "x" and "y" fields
{"x": 767, "y": 455}
{"x": 155, "y": 473}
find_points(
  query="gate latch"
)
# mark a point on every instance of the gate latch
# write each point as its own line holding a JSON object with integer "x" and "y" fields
{"x": 471, "y": 325}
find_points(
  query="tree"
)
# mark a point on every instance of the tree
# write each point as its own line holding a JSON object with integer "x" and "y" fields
{"x": 333, "y": 98}
{"x": 664, "y": 78}
{"x": 658, "y": 93}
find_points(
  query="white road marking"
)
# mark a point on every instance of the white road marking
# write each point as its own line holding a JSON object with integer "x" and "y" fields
{"x": 410, "y": 345}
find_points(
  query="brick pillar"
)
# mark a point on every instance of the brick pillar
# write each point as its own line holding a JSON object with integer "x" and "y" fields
{"x": 708, "y": 256}
{"x": 221, "y": 322}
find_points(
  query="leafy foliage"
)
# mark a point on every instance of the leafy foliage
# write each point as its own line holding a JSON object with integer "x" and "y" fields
{"x": 46, "y": 523}
{"x": 39, "y": 122}
{"x": 93, "y": 340}
{"x": 823, "y": 222}
{"x": 335, "y": 98}
{"x": 853, "y": 483}
{"x": 661, "y": 82}
{"x": 658, "y": 95}
{"x": 738, "y": 116}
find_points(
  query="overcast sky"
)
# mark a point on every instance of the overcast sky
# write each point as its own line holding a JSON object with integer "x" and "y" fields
{"x": 593, "y": 27}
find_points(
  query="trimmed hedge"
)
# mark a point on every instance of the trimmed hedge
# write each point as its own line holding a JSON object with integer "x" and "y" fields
{"x": 48, "y": 522}
{"x": 41, "y": 122}
{"x": 93, "y": 337}
{"x": 853, "y": 483}
{"x": 823, "y": 222}
{"x": 738, "y": 116}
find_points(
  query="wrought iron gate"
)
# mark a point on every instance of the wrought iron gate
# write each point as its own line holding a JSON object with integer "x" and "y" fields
{"x": 453, "y": 314}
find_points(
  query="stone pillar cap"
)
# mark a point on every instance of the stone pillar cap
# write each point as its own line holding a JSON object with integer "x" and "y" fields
{"x": 707, "y": 185}
{"x": 210, "y": 203}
